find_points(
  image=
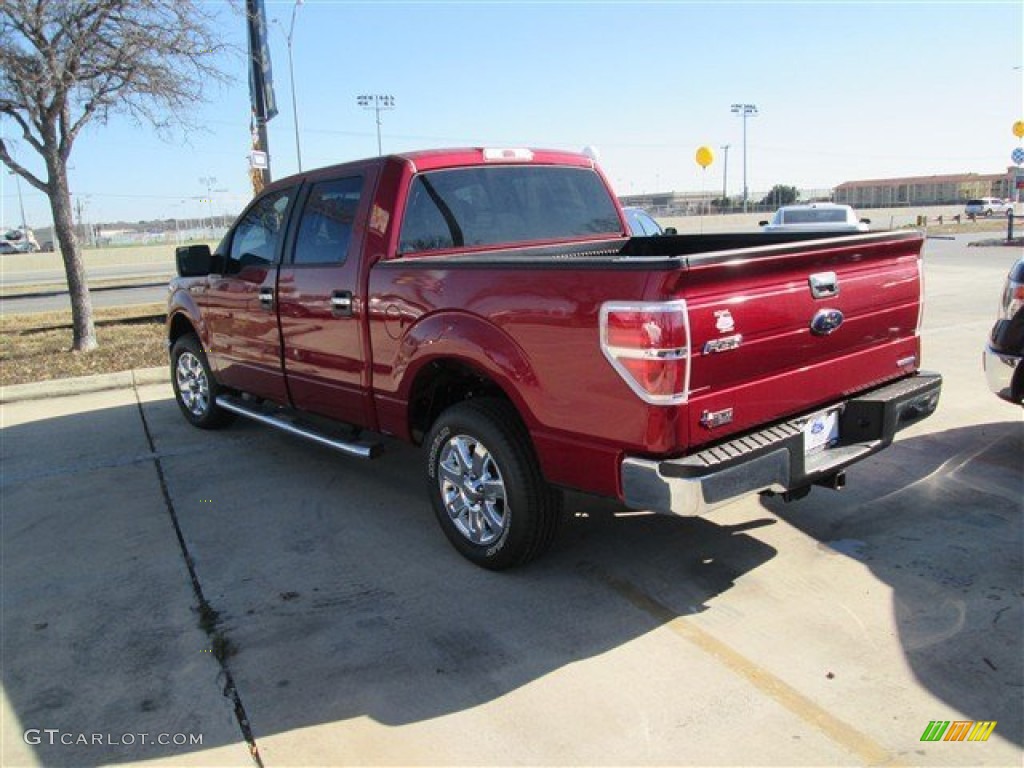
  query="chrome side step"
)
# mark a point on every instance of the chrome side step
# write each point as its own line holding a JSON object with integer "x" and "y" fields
{"x": 352, "y": 448}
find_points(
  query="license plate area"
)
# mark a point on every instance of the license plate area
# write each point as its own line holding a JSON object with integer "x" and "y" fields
{"x": 821, "y": 431}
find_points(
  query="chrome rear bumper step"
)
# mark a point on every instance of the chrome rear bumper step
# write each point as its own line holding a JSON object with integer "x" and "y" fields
{"x": 359, "y": 449}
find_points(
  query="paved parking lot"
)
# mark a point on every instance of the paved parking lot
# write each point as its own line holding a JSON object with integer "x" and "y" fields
{"x": 830, "y": 631}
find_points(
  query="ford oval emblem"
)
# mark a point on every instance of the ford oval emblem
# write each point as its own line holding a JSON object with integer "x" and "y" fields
{"x": 825, "y": 321}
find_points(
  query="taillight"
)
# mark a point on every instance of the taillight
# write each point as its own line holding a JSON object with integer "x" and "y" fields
{"x": 648, "y": 343}
{"x": 1013, "y": 300}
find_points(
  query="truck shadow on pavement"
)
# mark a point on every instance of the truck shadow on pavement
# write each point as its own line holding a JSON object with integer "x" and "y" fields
{"x": 337, "y": 592}
{"x": 942, "y": 526}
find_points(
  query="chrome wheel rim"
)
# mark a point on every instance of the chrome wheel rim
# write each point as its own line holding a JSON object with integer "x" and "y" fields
{"x": 193, "y": 386}
{"x": 473, "y": 490}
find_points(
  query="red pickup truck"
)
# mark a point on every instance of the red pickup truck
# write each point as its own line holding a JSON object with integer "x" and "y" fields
{"x": 491, "y": 306}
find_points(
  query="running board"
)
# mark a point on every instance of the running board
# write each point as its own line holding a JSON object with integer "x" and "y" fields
{"x": 352, "y": 448}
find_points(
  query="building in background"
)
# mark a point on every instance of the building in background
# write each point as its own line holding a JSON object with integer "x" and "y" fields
{"x": 929, "y": 190}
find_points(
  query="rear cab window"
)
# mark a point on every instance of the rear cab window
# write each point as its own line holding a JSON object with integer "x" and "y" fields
{"x": 814, "y": 216}
{"x": 479, "y": 207}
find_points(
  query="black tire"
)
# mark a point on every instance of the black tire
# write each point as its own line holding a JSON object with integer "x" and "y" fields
{"x": 496, "y": 509}
{"x": 195, "y": 388}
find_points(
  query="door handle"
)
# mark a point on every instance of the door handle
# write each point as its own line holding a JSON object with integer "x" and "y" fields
{"x": 341, "y": 303}
{"x": 267, "y": 297}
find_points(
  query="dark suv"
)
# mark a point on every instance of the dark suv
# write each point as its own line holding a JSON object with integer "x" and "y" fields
{"x": 1005, "y": 348}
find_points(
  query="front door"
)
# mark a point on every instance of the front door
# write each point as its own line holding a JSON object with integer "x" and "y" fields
{"x": 244, "y": 345}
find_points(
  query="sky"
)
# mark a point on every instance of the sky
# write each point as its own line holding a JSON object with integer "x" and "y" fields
{"x": 844, "y": 91}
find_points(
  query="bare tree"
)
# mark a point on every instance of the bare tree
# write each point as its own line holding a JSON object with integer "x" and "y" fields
{"x": 65, "y": 63}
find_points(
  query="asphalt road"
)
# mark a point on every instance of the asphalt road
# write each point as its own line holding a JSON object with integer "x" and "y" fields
{"x": 56, "y": 276}
{"x": 50, "y": 300}
{"x": 830, "y": 631}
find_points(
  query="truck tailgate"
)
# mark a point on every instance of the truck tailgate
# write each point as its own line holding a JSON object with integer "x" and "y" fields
{"x": 784, "y": 329}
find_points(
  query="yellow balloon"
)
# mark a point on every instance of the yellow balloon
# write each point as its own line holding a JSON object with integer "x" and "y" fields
{"x": 705, "y": 156}
{"x": 1018, "y": 129}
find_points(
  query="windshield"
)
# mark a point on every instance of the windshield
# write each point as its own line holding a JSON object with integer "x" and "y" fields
{"x": 482, "y": 206}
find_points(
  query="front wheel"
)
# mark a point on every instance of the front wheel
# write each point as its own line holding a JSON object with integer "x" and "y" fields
{"x": 195, "y": 389}
{"x": 486, "y": 487}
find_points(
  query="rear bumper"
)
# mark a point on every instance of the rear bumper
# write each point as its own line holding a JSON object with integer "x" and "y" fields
{"x": 773, "y": 459}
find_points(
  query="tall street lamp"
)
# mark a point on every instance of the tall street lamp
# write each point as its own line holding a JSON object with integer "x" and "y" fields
{"x": 291, "y": 76}
{"x": 209, "y": 181}
{"x": 376, "y": 102}
{"x": 725, "y": 177}
{"x": 745, "y": 111}
{"x": 21, "y": 201}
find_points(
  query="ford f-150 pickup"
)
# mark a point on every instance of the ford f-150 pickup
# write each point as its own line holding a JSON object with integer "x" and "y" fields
{"x": 491, "y": 306}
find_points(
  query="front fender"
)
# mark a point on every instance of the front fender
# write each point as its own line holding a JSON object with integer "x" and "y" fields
{"x": 181, "y": 306}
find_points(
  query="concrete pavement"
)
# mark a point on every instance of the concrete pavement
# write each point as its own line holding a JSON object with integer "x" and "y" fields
{"x": 831, "y": 631}
{"x": 101, "y": 640}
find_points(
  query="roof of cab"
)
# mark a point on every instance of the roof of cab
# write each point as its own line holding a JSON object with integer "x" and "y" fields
{"x": 433, "y": 159}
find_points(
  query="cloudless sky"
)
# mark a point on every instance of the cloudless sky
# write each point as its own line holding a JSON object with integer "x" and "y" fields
{"x": 845, "y": 91}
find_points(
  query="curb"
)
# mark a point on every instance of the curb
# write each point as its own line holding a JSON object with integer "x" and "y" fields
{"x": 80, "y": 385}
{"x": 1017, "y": 242}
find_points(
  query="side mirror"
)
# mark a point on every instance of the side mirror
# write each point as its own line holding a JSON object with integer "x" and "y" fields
{"x": 193, "y": 260}
{"x": 865, "y": 221}
{"x": 762, "y": 223}
{"x": 670, "y": 231}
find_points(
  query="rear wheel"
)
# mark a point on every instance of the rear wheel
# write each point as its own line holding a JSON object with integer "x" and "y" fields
{"x": 195, "y": 389}
{"x": 486, "y": 487}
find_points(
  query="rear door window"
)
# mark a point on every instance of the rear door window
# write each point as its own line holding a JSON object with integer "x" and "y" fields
{"x": 325, "y": 226}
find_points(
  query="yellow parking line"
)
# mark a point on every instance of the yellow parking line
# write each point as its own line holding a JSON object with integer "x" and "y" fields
{"x": 857, "y": 742}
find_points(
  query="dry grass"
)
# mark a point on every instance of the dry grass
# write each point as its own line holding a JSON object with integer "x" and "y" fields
{"x": 996, "y": 225}
{"x": 34, "y": 347}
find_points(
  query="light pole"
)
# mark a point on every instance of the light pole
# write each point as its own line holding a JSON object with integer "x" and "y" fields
{"x": 209, "y": 181}
{"x": 291, "y": 77}
{"x": 745, "y": 111}
{"x": 725, "y": 176}
{"x": 376, "y": 102}
{"x": 21, "y": 202}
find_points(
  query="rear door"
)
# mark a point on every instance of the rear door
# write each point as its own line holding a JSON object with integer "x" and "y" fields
{"x": 244, "y": 342}
{"x": 321, "y": 302}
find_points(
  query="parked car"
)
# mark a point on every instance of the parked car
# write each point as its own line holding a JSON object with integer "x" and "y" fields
{"x": 6, "y": 247}
{"x": 816, "y": 217}
{"x": 1005, "y": 348}
{"x": 987, "y": 206}
{"x": 505, "y": 320}
{"x": 642, "y": 224}
{"x": 20, "y": 241}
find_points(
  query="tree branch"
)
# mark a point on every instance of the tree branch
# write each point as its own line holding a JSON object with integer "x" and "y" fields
{"x": 8, "y": 109}
{"x": 19, "y": 169}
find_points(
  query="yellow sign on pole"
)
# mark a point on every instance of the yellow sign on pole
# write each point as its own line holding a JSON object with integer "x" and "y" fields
{"x": 705, "y": 156}
{"x": 1018, "y": 129}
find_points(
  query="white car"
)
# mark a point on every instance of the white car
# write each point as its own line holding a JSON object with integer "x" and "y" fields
{"x": 987, "y": 206}
{"x": 816, "y": 217}
{"x": 19, "y": 241}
